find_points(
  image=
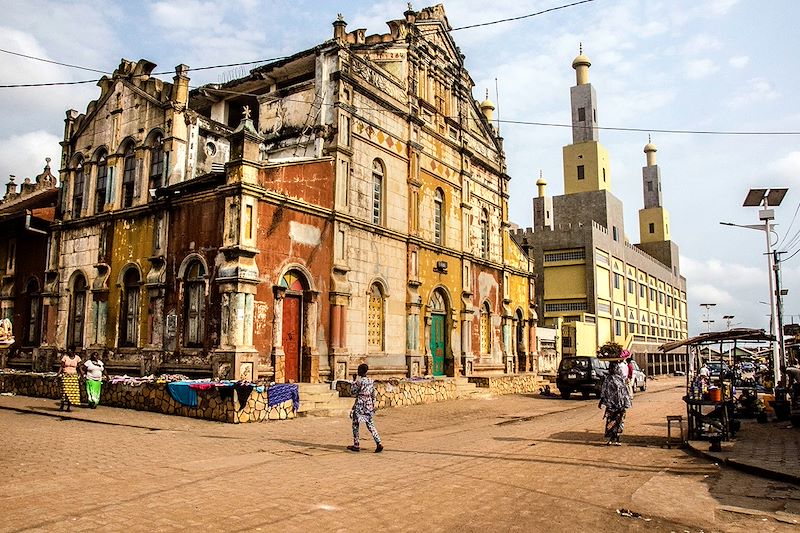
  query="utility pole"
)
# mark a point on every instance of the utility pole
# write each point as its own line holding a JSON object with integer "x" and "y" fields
{"x": 708, "y": 320}
{"x": 779, "y": 293}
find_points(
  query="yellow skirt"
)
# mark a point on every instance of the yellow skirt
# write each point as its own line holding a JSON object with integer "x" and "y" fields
{"x": 70, "y": 389}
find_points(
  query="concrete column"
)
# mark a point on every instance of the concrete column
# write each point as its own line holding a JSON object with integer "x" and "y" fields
{"x": 278, "y": 355}
{"x": 336, "y": 324}
{"x": 310, "y": 363}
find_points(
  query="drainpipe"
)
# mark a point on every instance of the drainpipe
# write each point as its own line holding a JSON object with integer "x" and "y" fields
{"x": 29, "y": 228}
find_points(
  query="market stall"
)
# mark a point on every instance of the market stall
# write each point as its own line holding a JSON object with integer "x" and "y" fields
{"x": 714, "y": 388}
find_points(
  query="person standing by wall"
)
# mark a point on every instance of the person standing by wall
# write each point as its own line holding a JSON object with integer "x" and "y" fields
{"x": 364, "y": 408}
{"x": 93, "y": 371}
{"x": 614, "y": 396}
{"x": 68, "y": 378}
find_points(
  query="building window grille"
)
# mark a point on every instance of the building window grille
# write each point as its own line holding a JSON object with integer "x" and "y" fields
{"x": 486, "y": 337}
{"x": 77, "y": 312}
{"x": 484, "y": 234}
{"x": 377, "y": 191}
{"x": 77, "y": 194}
{"x": 129, "y": 322}
{"x": 157, "y": 163}
{"x": 102, "y": 183}
{"x": 570, "y": 255}
{"x": 567, "y": 306}
{"x": 438, "y": 216}
{"x": 128, "y": 177}
{"x": 375, "y": 319}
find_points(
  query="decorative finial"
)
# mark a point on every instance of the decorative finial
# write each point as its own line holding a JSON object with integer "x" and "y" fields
{"x": 246, "y": 112}
{"x": 339, "y": 17}
{"x": 648, "y": 138}
{"x": 409, "y": 7}
{"x": 580, "y": 48}
{"x": 487, "y": 94}
{"x": 47, "y": 160}
{"x": 540, "y": 173}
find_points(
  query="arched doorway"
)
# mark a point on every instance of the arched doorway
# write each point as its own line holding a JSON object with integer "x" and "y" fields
{"x": 522, "y": 356}
{"x": 292, "y": 323}
{"x": 438, "y": 309}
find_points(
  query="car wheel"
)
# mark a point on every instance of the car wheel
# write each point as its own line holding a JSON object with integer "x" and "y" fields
{"x": 644, "y": 386}
{"x": 565, "y": 394}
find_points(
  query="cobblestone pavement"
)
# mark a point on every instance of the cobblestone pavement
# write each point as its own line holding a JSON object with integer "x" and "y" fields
{"x": 512, "y": 463}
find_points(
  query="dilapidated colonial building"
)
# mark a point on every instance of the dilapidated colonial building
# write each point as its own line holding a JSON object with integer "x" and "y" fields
{"x": 348, "y": 203}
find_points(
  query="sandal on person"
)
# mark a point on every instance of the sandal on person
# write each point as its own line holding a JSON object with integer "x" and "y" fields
{"x": 379, "y": 448}
{"x": 354, "y": 448}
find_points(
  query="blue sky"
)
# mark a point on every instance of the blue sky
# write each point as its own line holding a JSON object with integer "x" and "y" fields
{"x": 722, "y": 65}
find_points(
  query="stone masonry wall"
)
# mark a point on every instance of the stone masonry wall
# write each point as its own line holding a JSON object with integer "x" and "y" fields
{"x": 516, "y": 384}
{"x": 394, "y": 393}
{"x": 155, "y": 397}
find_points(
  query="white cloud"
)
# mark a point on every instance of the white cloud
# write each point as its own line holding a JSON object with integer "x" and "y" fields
{"x": 700, "y": 68}
{"x": 701, "y": 44}
{"x": 24, "y": 155}
{"x": 755, "y": 90}
{"x": 739, "y": 61}
{"x": 786, "y": 168}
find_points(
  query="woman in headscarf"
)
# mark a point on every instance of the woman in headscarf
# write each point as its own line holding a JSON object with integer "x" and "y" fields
{"x": 614, "y": 396}
{"x": 68, "y": 377}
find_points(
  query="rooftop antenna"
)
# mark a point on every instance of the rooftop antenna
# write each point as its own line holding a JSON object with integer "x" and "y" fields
{"x": 497, "y": 105}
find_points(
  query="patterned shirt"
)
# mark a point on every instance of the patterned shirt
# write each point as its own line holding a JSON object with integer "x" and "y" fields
{"x": 364, "y": 391}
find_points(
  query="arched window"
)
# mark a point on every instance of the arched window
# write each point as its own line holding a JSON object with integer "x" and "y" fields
{"x": 486, "y": 331}
{"x": 128, "y": 176}
{"x": 77, "y": 312}
{"x": 157, "y": 163}
{"x": 129, "y": 309}
{"x": 375, "y": 319}
{"x": 32, "y": 325}
{"x": 484, "y": 234}
{"x": 101, "y": 188}
{"x": 377, "y": 191}
{"x": 194, "y": 302}
{"x": 438, "y": 216}
{"x": 78, "y": 186}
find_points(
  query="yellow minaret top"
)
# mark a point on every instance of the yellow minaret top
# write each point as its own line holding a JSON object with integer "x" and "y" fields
{"x": 586, "y": 165}
{"x": 541, "y": 184}
{"x": 650, "y": 151}
{"x": 581, "y": 65}
{"x": 487, "y": 108}
{"x": 653, "y": 219}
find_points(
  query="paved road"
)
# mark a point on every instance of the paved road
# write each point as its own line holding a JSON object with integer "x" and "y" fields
{"x": 513, "y": 463}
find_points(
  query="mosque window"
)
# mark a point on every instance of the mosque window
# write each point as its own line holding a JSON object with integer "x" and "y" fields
{"x": 649, "y": 185}
{"x": 652, "y": 227}
{"x": 581, "y": 114}
{"x": 614, "y": 233}
{"x": 581, "y": 172}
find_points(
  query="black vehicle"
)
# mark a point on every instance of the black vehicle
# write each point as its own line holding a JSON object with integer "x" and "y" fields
{"x": 584, "y": 374}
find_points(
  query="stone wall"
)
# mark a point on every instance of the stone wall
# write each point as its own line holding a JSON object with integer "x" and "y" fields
{"x": 394, "y": 393}
{"x": 507, "y": 384}
{"x": 213, "y": 404}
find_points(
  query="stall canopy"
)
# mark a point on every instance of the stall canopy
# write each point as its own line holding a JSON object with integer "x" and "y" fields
{"x": 736, "y": 334}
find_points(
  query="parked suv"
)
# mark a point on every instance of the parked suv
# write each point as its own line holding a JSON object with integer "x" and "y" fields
{"x": 639, "y": 378}
{"x": 584, "y": 374}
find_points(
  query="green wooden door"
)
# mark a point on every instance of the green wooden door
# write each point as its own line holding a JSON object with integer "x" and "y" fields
{"x": 437, "y": 344}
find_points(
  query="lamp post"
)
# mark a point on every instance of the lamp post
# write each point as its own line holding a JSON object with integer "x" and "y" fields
{"x": 766, "y": 198}
{"x": 728, "y": 319}
{"x": 707, "y": 321}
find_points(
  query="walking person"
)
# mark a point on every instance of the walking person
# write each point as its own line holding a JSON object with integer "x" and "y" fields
{"x": 364, "y": 408}
{"x": 68, "y": 379}
{"x": 628, "y": 367}
{"x": 614, "y": 396}
{"x": 93, "y": 371}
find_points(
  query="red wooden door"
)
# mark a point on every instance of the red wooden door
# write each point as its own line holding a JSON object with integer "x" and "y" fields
{"x": 291, "y": 336}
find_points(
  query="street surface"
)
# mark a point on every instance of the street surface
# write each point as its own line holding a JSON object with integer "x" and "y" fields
{"x": 511, "y": 463}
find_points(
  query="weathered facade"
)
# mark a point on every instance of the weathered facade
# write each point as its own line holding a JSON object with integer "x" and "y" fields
{"x": 348, "y": 203}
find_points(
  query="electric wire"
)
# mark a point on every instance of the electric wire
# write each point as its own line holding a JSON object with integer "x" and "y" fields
{"x": 53, "y": 62}
{"x": 510, "y": 19}
{"x": 790, "y": 225}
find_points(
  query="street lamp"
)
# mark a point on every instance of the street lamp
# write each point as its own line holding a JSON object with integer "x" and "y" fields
{"x": 707, "y": 321}
{"x": 728, "y": 319}
{"x": 766, "y": 198}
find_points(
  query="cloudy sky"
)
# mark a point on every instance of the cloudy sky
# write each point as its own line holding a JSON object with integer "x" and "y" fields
{"x": 714, "y": 65}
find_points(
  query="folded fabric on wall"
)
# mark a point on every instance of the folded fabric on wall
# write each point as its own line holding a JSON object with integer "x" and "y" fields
{"x": 282, "y": 392}
{"x": 182, "y": 393}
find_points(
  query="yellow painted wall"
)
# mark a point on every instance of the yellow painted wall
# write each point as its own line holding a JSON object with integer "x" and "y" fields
{"x": 594, "y": 158}
{"x": 659, "y": 217}
{"x": 564, "y": 282}
{"x": 132, "y": 241}
{"x": 585, "y": 334}
{"x": 602, "y": 282}
{"x": 604, "y": 330}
